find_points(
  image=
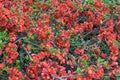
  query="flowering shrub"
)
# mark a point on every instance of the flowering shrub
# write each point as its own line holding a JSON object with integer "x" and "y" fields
{"x": 59, "y": 40}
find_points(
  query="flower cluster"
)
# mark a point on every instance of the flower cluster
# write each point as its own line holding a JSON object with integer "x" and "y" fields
{"x": 59, "y": 40}
{"x": 15, "y": 74}
{"x": 12, "y": 54}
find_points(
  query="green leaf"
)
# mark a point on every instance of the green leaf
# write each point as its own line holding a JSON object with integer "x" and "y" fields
{"x": 101, "y": 61}
{"x": 52, "y": 49}
{"x": 6, "y": 68}
{"x": 116, "y": 43}
{"x": 85, "y": 63}
{"x": 3, "y": 35}
{"x": 104, "y": 48}
{"x": 35, "y": 49}
{"x": 47, "y": 32}
{"x": 18, "y": 64}
{"x": 34, "y": 36}
{"x": 12, "y": 9}
{"x": 109, "y": 3}
{"x": 25, "y": 39}
{"x": 57, "y": 34}
{"x": 79, "y": 71}
{"x": 117, "y": 74}
{"x": 90, "y": 1}
{"x": 106, "y": 77}
{"x": 1, "y": 43}
{"x": 106, "y": 15}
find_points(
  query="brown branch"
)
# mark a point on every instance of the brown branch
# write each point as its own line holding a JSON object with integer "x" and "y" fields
{"x": 60, "y": 77}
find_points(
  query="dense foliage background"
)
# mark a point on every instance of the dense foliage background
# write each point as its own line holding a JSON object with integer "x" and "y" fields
{"x": 59, "y": 40}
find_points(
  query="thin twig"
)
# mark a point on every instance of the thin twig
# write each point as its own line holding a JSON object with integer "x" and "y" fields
{"x": 35, "y": 44}
{"x": 27, "y": 51}
{"x": 60, "y": 77}
{"x": 18, "y": 40}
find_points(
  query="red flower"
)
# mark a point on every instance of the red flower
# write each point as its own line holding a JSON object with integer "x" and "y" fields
{"x": 78, "y": 51}
{"x": 30, "y": 1}
{"x": 12, "y": 37}
{"x": 91, "y": 73}
{"x": 2, "y": 65}
{"x": 55, "y": 3}
{"x": 28, "y": 48}
{"x": 14, "y": 74}
{"x": 98, "y": 4}
{"x": 99, "y": 73}
{"x": 106, "y": 9}
{"x": 3, "y": 21}
{"x": 79, "y": 78}
{"x": 79, "y": 28}
{"x": 104, "y": 55}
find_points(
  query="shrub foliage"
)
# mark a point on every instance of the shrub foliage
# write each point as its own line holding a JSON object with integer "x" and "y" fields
{"x": 59, "y": 40}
